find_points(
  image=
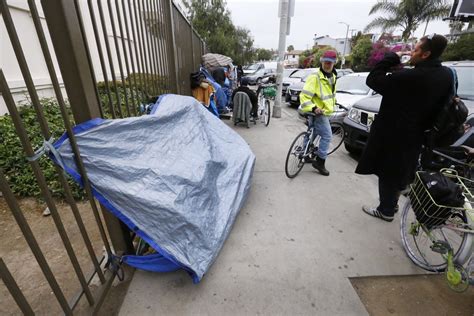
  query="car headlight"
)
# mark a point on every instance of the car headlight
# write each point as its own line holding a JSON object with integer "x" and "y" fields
{"x": 370, "y": 120}
{"x": 354, "y": 114}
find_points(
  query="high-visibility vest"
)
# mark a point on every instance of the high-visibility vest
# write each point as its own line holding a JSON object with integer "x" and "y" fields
{"x": 319, "y": 91}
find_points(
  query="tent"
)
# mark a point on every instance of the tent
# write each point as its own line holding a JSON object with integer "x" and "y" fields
{"x": 177, "y": 178}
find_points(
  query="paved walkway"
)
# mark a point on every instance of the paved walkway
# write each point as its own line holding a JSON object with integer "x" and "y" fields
{"x": 293, "y": 247}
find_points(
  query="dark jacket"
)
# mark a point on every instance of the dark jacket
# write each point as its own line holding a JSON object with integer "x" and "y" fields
{"x": 411, "y": 99}
{"x": 252, "y": 96}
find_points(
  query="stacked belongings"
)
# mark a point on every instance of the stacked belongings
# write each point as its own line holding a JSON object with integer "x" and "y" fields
{"x": 203, "y": 91}
{"x": 169, "y": 177}
{"x": 218, "y": 66}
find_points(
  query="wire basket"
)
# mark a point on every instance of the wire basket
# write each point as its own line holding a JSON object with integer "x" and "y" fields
{"x": 431, "y": 214}
{"x": 269, "y": 92}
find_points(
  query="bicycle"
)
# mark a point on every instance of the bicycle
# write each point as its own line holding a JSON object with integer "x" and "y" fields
{"x": 265, "y": 94}
{"x": 301, "y": 153}
{"x": 440, "y": 238}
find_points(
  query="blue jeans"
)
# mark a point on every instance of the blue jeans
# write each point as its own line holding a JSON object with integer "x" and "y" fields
{"x": 320, "y": 125}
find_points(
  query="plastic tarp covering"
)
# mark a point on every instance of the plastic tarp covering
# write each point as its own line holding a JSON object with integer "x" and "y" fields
{"x": 211, "y": 61}
{"x": 177, "y": 177}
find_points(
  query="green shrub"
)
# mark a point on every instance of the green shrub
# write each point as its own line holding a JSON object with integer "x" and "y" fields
{"x": 12, "y": 158}
{"x": 13, "y": 161}
{"x": 462, "y": 49}
{"x": 361, "y": 54}
{"x": 147, "y": 86}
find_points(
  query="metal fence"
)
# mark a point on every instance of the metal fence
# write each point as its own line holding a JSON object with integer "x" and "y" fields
{"x": 112, "y": 56}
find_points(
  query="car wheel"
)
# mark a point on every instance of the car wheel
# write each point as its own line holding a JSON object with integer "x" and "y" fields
{"x": 259, "y": 81}
{"x": 351, "y": 149}
{"x": 294, "y": 105}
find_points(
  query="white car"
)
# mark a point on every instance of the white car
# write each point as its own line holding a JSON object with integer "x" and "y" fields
{"x": 349, "y": 89}
{"x": 352, "y": 88}
{"x": 296, "y": 76}
{"x": 258, "y": 66}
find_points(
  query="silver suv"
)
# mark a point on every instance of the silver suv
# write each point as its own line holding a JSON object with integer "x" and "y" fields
{"x": 363, "y": 112}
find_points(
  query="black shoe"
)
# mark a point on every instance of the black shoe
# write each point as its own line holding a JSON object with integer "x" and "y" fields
{"x": 318, "y": 164}
{"x": 373, "y": 211}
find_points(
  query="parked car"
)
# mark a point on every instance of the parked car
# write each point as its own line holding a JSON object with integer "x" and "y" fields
{"x": 343, "y": 72}
{"x": 349, "y": 89}
{"x": 259, "y": 75}
{"x": 296, "y": 76}
{"x": 258, "y": 66}
{"x": 359, "y": 119}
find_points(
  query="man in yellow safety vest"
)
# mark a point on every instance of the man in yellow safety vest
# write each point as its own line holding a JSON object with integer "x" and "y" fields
{"x": 319, "y": 97}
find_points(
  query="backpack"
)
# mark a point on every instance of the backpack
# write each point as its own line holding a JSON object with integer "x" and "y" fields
{"x": 444, "y": 192}
{"x": 448, "y": 123}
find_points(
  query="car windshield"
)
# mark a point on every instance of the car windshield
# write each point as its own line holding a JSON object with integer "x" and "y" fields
{"x": 352, "y": 85}
{"x": 466, "y": 82}
{"x": 302, "y": 73}
{"x": 253, "y": 67}
{"x": 288, "y": 72}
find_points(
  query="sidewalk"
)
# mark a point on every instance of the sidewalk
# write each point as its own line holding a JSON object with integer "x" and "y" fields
{"x": 293, "y": 246}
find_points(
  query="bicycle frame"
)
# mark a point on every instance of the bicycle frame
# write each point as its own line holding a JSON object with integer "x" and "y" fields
{"x": 454, "y": 268}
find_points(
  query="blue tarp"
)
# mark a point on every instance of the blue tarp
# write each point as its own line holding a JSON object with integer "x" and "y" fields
{"x": 177, "y": 178}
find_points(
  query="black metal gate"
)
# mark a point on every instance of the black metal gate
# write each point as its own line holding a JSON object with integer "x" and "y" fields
{"x": 113, "y": 56}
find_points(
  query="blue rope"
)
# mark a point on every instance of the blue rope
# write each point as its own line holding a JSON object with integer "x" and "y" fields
{"x": 47, "y": 148}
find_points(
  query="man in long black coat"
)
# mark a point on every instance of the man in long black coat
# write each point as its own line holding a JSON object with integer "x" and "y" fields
{"x": 411, "y": 99}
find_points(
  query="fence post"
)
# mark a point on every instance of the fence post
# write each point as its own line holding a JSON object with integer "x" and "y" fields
{"x": 74, "y": 64}
{"x": 174, "y": 56}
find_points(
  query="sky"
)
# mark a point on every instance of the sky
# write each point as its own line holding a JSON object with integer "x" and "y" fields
{"x": 311, "y": 17}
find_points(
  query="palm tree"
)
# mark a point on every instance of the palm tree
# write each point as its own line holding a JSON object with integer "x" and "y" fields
{"x": 407, "y": 14}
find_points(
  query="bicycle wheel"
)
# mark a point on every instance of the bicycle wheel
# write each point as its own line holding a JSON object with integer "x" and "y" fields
{"x": 417, "y": 242}
{"x": 266, "y": 113}
{"x": 261, "y": 99}
{"x": 337, "y": 139}
{"x": 295, "y": 157}
{"x": 338, "y": 135}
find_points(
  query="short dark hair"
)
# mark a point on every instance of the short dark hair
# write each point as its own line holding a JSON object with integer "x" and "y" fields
{"x": 435, "y": 44}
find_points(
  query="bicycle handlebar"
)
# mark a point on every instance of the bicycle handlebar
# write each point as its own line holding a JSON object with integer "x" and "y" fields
{"x": 342, "y": 106}
{"x": 460, "y": 162}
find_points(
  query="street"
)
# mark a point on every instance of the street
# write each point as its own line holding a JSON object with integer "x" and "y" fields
{"x": 294, "y": 245}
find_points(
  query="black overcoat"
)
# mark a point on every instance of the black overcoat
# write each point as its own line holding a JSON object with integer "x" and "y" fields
{"x": 411, "y": 98}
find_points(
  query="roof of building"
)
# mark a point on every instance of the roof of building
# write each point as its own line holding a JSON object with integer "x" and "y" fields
{"x": 294, "y": 52}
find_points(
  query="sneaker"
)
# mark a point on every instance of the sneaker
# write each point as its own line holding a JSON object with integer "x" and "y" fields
{"x": 372, "y": 211}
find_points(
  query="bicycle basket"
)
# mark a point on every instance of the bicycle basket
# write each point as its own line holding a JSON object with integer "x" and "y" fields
{"x": 269, "y": 92}
{"x": 437, "y": 197}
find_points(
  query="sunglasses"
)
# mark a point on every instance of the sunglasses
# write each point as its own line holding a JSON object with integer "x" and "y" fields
{"x": 430, "y": 37}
